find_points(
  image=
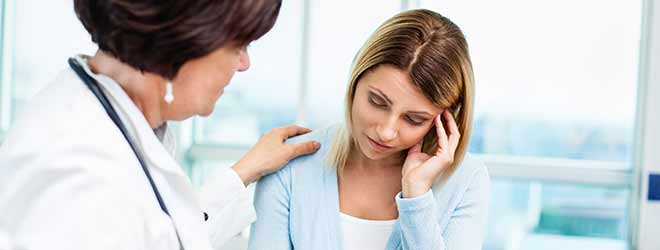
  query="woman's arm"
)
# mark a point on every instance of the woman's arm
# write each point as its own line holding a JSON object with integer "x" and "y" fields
{"x": 419, "y": 220}
{"x": 271, "y": 200}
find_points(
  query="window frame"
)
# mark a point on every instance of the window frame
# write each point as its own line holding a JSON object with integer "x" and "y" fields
{"x": 6, "y": 55}
{"x": 646, "y": 136}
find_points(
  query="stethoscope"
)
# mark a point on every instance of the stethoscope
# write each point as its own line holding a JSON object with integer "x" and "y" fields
{"x": 93, "y": 85}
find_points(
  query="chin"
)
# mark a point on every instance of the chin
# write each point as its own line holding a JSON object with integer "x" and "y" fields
{"x": 206, "y": 111}
{"x": 373, "y": 155}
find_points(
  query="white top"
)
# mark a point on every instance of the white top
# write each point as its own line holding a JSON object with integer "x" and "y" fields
{"x": 69, "y": 180}
{"x": 361, "y": 234}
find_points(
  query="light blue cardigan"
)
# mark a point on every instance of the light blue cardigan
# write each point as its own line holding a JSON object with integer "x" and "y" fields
{"x": 298, "y": 207}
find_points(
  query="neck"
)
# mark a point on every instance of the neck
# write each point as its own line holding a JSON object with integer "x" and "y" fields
{"x": 146, "y": 90}
{"x": 359, "y": 160}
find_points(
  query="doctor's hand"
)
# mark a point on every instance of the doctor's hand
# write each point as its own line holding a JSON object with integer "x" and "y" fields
{"x": 270, "y": 153}
{"x": 420, "y": 169}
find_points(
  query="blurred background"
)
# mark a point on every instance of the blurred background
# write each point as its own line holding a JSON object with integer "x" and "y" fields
{"x": 556, "y": 108}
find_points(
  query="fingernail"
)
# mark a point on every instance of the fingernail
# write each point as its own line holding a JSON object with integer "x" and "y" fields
{"x": 317, "y": 145}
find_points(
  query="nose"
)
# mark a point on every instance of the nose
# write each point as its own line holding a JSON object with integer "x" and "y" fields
{"x": 388, "y": 130}
{"x": 243, "y": 61}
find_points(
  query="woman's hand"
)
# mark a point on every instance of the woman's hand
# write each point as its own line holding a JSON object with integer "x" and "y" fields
{"x": 270, "y": 153}
{"x": 420, "y": 169}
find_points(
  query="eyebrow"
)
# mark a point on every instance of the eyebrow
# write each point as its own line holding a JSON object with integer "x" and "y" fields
{"x": 420, "y": 113}
{"x": 383, "y": 95}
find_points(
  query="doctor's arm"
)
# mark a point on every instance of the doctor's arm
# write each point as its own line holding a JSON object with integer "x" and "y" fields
{"x": 228, "y": 204}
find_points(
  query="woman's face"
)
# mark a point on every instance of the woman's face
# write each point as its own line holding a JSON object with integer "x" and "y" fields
{"x": 389, "y": 113}
{"x": 200, "y": 82}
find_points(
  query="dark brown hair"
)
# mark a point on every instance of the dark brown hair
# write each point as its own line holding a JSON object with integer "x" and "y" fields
{"x": 160, "y": 36}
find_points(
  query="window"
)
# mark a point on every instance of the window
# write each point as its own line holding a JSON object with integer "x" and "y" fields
{"x": 544, "y": 66}
{"x": 265, "y": 96}
{"x": 533, "y": 215}
{"x": 37, "y": 39}
{"x": 4, "y": 85}
{"x": 46, "y": 34}
{"x": 552, "y": 83}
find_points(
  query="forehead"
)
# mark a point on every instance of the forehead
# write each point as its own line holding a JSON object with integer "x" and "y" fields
{"x": 397, "y": 85}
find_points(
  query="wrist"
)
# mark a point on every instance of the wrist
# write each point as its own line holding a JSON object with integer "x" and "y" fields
{"x": 412, "y": 188}
{"x": 244, "y": 172}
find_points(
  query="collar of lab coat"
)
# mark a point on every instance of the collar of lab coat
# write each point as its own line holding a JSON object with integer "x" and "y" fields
{"x": 156, "y": 153}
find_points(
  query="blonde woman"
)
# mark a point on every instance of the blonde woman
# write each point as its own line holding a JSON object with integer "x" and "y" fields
{"x": 395, "y": 174}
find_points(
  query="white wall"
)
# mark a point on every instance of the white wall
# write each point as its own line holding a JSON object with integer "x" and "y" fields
{"x": 648, "y": 157}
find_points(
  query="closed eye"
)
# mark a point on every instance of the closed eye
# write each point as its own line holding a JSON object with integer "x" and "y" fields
{"x": 415, "y": 121}
{"x": 379, "y": 103}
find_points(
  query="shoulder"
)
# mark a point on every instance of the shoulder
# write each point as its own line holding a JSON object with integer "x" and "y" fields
{"x": 325, "y": 136}
{"x": 477, "y": 178}
{"x": 64, "y": 104}
{"x": 322, "y": 135}
{"x": 59, "y": 123}
{"x": 472, "y": 174}
{"x": 471, "y": 168}
{"x": 309, "y": 169}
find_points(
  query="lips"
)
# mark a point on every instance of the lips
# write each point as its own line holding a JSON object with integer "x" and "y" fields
{"x": 378, "y": 146}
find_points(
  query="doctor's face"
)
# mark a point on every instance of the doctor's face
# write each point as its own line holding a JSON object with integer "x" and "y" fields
{"x": 200, "y": 82}
{"x": 389, "y": 113}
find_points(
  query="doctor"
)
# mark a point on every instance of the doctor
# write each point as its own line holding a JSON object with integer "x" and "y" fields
{"x": 89, "y": 165}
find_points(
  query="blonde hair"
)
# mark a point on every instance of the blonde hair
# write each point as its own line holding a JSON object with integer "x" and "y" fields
{"x": 434, "y": 52}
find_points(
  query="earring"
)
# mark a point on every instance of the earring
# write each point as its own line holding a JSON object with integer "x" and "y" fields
{"x": 169, "y": 95}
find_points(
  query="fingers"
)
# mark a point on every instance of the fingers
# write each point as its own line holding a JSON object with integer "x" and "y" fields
{"x": 303, "y": 148}
{"x": 454, "y": 134}
{"x": 291, "y": 131}
{"x": 417, "y": 148}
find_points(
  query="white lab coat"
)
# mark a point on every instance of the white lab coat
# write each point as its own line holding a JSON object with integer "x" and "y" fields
{"x": 69, "y": 180}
